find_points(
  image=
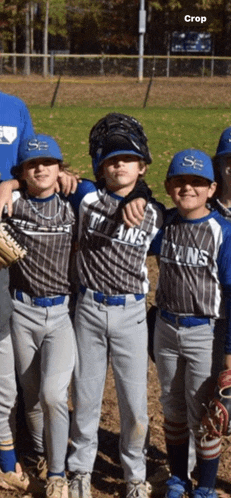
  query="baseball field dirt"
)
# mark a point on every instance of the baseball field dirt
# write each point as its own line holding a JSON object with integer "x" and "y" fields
{"x": 107, "y": 479}
{"x": 118, "y": 91}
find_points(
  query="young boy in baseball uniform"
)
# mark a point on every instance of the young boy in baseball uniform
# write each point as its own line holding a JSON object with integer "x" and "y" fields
{"x": 110, "y": 314}
{"x": 193, "y": 293}
{"x": 42, "y": 331}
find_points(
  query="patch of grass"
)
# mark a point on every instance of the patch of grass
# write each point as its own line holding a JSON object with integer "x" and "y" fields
{"x": 168, "y": 131}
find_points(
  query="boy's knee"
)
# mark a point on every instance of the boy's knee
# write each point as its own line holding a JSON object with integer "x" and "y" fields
{"x": 51, "y": 396}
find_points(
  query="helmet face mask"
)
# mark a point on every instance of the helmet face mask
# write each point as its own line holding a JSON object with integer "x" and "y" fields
{"x": 117, "y": 134}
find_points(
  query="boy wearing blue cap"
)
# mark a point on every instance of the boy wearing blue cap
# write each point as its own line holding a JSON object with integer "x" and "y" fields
{"x": 194, "y": 287}
{"x": 42, "y": 332}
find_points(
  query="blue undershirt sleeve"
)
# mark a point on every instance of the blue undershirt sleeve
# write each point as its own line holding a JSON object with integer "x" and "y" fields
{"x": 83, "y": 188}
{"x": 156, "y": 243}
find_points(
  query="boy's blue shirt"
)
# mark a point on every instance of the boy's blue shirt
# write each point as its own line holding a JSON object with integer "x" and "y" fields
{"x": 15, "y": 126}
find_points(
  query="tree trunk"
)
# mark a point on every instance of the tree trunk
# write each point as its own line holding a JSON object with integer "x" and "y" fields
{"x": 27, "y": 44}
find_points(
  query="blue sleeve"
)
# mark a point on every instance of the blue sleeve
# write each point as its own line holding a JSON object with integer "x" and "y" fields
{"x": 224, "y": 258}
{"x": 224, "y": 266}
{"x": 83, "y": 188}
{"x": 27, "y": 128}
{"x": 156, "y": 242}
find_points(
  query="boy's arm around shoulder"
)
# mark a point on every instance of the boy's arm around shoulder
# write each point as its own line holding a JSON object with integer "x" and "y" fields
{"x": 133, "y": 204}
{"x": 159, "y": 215}
{"x": 6, "y": 189}
{"x": 83, "y": 188}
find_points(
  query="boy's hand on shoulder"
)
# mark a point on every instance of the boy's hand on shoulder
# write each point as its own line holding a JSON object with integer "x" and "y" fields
{"x": 133, "y": 213}
{"x": 6, "y": 189}
{"x": 67, "y": 183}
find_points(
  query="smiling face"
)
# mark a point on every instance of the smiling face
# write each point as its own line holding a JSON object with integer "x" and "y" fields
{"x": 121, "y": 173}
{"x": 190, "y": 193}
{"x": 41, "y": 175}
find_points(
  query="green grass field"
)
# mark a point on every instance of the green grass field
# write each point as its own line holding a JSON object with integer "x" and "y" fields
{"x": 180, "y": 113}
{"x": 168, "y": 131}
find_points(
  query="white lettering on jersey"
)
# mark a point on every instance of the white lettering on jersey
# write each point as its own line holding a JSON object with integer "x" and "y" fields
{"x": 102, "y": 226}
{"x": 182, "y": 255}
{"x": 8, "y": 134}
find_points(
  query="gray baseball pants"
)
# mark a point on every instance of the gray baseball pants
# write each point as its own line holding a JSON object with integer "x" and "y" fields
{"x": 188, "y": 361}
{"x": 121, "y": 331}
{"x": 45, "y": 353}
{"x": 8, "y": 390}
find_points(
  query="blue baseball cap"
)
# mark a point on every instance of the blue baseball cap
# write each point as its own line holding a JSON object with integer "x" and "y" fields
{"x": 191, "y": 162}
{"x": 224, "y": 145}
{"x": 39, "y": 146}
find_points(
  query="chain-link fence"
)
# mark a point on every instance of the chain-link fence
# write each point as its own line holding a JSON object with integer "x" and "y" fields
{"x": 106, "y": 65}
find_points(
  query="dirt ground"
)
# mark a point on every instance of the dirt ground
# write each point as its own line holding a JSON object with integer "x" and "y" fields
{"x": 107, "y": 478}
{"x": 118, "y": 91}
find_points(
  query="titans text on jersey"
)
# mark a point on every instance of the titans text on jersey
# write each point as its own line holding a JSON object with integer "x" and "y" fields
{"x": 112, "y": 258}
{"x": 195, "y": 265}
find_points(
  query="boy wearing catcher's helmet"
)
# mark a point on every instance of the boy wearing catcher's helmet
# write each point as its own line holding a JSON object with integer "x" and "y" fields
{"x": 193, "y": 289}
{"x": 110, "y": 314}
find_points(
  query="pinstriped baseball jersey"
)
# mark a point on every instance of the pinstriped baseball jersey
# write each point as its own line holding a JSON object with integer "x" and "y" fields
{"x": 226, "y": 212}
{"x": 46, "y": 229}
{"x": 111, "y": 257}
{"x": 195, "y": 265}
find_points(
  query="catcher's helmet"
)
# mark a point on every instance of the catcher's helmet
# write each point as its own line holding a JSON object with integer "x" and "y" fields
{"x": 191, "y": 162}
{"x": 224, "y": 145}
{"x": 117, "y": 134}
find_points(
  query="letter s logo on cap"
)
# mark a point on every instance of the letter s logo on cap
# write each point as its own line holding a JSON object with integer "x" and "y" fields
{"x": 193, "y": 162}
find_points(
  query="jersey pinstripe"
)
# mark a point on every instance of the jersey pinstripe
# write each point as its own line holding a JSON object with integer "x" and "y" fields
{"x": 44, "y": 270}
{"x": 195, "y": 264}
{"x": 111, "y": 258}
{"x": 223, "y": 210}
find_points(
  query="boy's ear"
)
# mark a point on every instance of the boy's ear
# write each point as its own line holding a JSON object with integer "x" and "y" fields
{"x": 143, "y": 170}
{"x": 212, "y": 189}
{"x": 228, "y": 170}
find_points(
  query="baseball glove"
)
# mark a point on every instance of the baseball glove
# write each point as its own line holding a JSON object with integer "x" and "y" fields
{"x": 217, "y": 421}
{"x": 11, "y": 249}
